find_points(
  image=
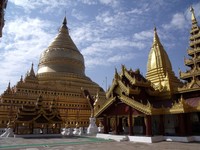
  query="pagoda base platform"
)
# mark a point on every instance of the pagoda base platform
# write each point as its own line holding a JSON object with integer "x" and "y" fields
{"x": 148, "y": 139}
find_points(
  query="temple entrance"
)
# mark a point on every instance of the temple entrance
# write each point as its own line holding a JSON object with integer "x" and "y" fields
{"x": 139, "y": 126}
{"x": 121, "y": 125}
{"x": 125, "y": 126}
{"x": 118, "y": 125}
{"x": 171, "y": 125}
{"x": 111, "y": 125}
{"x": 156, "y": 125}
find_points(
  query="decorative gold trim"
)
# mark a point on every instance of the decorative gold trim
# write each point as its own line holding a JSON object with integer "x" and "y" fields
{"x": 105, "y": 105}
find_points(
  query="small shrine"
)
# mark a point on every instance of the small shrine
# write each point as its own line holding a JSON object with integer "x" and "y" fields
{"x": 38, "y": 119}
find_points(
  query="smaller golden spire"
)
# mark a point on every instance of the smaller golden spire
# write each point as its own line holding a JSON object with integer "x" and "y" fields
{"x": 193, "y": 18}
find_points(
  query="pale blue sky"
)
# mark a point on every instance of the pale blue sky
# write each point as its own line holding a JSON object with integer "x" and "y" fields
{"x": 107, "y": 32}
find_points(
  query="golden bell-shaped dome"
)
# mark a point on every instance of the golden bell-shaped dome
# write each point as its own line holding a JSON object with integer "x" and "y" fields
{"x": 62, "y": 55}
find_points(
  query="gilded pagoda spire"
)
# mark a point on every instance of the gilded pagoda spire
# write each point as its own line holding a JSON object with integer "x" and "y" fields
{"x": 159, "y": 69}
{"x": 158, "y": 57}
{"x": 156, "y": 40}
{"x": 193, "y": 18}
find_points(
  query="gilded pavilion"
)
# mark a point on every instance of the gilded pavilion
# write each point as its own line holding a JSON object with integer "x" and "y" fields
{"x": 160, "y": 103}
{"x": 60, "y": 79}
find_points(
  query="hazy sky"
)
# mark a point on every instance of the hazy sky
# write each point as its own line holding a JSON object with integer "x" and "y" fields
{"x": 107, "y": 32}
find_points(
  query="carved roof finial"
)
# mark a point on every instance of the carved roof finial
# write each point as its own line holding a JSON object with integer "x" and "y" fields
{"x": 156, "y": 39}
{"x": 116, "y": 74}
{"x": 8, "y": 88}
{"x": 64, "y": 28}
{"x": 21, "y": 79}
{"x": 31, "y": 72}
{"x": 65, "y": 21}
{"x": 155, "y": 29}
{"x": 96, "y": 99}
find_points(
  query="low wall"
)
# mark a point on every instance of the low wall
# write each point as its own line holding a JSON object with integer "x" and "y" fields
{"x": 146, "y": 139}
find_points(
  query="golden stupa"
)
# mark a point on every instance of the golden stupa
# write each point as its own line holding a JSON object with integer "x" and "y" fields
{"x": 61, "y": 77}
{"x": 159, "y": 70}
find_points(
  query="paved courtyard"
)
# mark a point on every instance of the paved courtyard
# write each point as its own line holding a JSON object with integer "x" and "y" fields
{"x": 88, "y": 143}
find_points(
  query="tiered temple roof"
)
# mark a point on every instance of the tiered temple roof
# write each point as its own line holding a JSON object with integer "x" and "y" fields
{"x": 38, "y": 113}
{"x": 132, "y": 89}
{"x": 37, "y": 119}
{"x": 192, "y": 75}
